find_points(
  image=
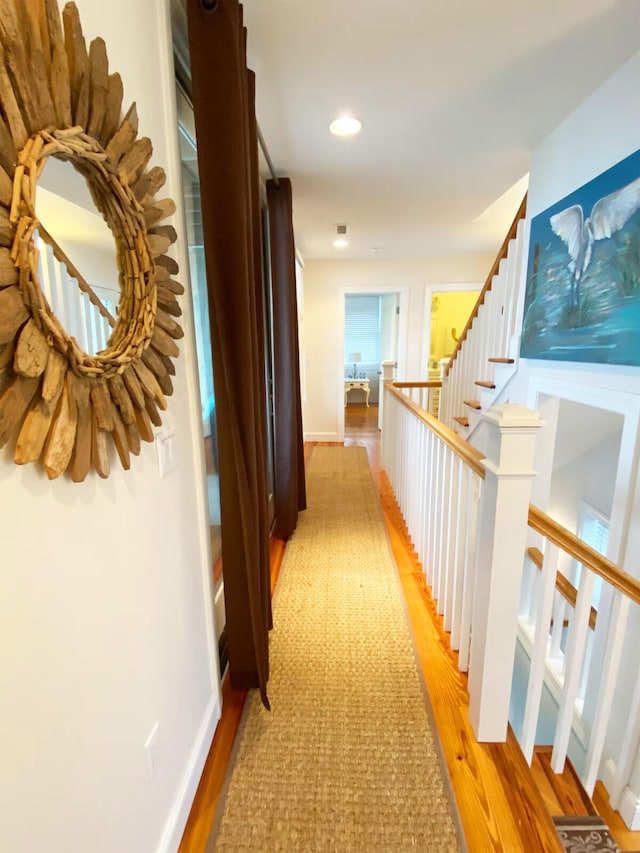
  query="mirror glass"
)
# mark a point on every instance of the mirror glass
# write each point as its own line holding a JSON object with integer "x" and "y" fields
{"x": 65, "y": 208}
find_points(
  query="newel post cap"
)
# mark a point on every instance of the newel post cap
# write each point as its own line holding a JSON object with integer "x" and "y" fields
{"x": 388, "y": 367}
{"x": 512, "y": 430}
{"x": 514, "y": 416}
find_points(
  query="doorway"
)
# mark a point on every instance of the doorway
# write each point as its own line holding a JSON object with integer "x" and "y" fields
{"x": 391, "y": 331}
{"x": 370, "y": 337}
{"x": 450, "y": 311}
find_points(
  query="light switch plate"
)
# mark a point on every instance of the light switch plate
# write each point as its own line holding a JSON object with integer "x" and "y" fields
{"x": 165, "y": 448}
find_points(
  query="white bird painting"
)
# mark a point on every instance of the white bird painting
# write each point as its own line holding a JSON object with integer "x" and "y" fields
{"x": 608, "y": 215}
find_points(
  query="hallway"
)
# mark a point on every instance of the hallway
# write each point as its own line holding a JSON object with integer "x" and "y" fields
{"x": 500, "y": 807}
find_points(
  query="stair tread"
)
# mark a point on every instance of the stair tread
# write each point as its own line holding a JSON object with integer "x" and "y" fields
{"x": 461, "y": 420}
{"x": 501, "y": 360}
{"x": 473, "y": 404}
{"x": 485, "y": 383}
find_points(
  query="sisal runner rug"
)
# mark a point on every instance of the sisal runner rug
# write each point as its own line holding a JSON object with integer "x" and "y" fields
{"x": 346, "y": 760}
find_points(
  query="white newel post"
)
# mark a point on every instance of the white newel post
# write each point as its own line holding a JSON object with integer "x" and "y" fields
{"x": 502, "y": 534}
{"x": 387, "y": 376}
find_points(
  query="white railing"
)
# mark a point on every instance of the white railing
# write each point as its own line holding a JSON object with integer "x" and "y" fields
{"x": 491, "y": 560}
{"x": 447, "y": 493}
{"x": 575, "y": 641}
{"x": 489, "y": 333}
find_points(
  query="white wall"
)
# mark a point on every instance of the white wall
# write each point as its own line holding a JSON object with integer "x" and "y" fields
{"x": 600, "y": 133}
{"x": 589, "y": 477}
{"x": 105, "y": 613}
{"x": 325, "y": 283}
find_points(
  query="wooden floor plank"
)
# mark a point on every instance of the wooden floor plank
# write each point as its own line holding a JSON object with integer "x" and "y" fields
{"x": 623, "y": 836}
{"x": 571, "y": 796}
{"x": 544, "y": 786}
{"x": 204, "y": 805}
{"x": 499, "y": 806}
{"x": 198, "y": 828}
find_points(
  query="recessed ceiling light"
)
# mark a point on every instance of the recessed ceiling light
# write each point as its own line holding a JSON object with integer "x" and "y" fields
{"x": 340, "y": 243}
{"x": 345, "y": 125}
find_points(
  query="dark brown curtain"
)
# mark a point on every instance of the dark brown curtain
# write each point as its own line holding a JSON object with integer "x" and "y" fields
{"x": 224, "y": 107}
{"x": 290, "y": 492}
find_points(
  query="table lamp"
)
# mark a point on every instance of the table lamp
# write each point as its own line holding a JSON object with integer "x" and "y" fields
{"x": 356, "y": 358}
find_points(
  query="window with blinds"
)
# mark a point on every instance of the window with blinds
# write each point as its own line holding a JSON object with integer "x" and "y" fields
{"x": 362, "y": 328}
{"x": 593, "y": 528}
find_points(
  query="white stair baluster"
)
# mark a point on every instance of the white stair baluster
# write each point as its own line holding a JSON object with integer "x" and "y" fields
{"x": 610, "y": 671}
{"x": 450, "y": 541}
{"x": 427, "y": 565}
{"x": 559, "y": 615}
{"x": 518, "y": 281}
{"x": 474, "y": 491}
{"x": 628, "y": 752}
{"x": 460, "y": 521}
{"x": 573, "y": 669}
{"x": 543, "y": 606}
{"x": 435, "y": 542}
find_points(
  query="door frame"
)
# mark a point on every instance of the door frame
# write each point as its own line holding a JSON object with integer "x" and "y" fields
{"x": 403, "y": 329}
{"x": 429, "y": 291}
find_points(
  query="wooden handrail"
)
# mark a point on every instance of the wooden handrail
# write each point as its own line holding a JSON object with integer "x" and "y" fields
{"x": 429, "y": 383}
{"x": 564, "y": 586}
{"x": 469, "y": 455}
{"x": 583, "y": 553}
{"x": 522, "y": 211}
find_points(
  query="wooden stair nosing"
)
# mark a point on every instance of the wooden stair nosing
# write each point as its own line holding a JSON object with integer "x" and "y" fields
{"x": 473, "y": 404}
{"x": 462, "y": 421}
{"x": 485, "y": 383}
{"x": 501, "y": 360}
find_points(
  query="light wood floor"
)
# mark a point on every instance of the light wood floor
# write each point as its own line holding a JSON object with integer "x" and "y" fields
{"x": 504, "y": 806}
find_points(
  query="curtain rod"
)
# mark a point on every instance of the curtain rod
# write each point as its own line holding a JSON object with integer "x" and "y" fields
{"x": 181, "y": 79}
{"x": 183, "y": 69}
{"x": 265, "y": 151}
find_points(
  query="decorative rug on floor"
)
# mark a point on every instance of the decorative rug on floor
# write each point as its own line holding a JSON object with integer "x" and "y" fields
{"x": 585, "y": 834}
{"x": 346, "y": 760}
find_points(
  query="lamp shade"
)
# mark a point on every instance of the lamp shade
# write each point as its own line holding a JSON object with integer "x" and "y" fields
{"x": 355, "y": 357}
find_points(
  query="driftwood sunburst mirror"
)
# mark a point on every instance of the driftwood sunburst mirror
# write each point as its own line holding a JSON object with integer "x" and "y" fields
{"x": 63, "y": 406}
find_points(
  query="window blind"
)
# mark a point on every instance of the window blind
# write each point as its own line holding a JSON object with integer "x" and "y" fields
{"x": 362, "y": 328}
{"x": 594, "y": 530}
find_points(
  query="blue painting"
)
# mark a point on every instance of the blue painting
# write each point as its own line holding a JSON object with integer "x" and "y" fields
{"x": 582, "y": 301}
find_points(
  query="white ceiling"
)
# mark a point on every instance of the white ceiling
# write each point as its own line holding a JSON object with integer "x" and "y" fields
{"x": 453, "y": 94}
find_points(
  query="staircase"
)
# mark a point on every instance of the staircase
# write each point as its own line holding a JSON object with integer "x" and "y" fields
{"x": 484, "y": 360}
{"x": 439, "y": 483}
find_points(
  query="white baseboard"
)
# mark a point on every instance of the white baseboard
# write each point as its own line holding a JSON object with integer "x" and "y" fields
{"x": 629, "y": 806}
{"x": 608, "y": 774}
{"x": 321, "y": 436}
{"x": 220, "y": 616}
{"x": 630, "y": 810}
{"x": 177, "y": 820}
